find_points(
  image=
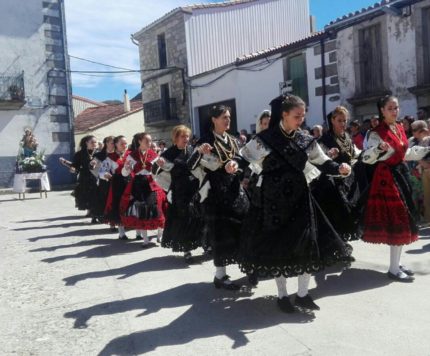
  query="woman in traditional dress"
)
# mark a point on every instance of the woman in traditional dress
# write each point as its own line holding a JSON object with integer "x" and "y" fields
{"x": 110, "y": 171}
{"x": 143, "y": 203}
{"x": 225, "y": 203}
{"x": 102, "y": 184}
{"x": 184, "y": 228}
{"x": 263, "y": 121}
{"x": 82, "y": 164}
{"x": 339, "y": 198}
{"x": 390, "y": 211}
{"x": 285, "y": 233}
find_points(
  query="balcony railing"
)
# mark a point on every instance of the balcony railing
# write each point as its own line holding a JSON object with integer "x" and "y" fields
{"x": 160, "y": 111}
{"x": 12, "y": 93}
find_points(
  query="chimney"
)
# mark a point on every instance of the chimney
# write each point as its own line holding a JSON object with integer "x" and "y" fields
{"x": 126, "y": 102}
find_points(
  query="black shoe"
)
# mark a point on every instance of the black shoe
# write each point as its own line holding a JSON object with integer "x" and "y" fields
{"x": 94, "y": 221}
{"x": 139, "y": 238}
{"x": 253, "y": 279}
{"x": 285, "y": 305}
{"x": 147, "y": 244}
{"x": 349, "y": 259}
{"x": 406, "y": 270}
{"x": 123, "y": 237}
{"x": 113, "y": 229}
{"x": 188, "y": 257}
{"x": 400, "y": 277}
{"x": 221, "y": 283}
{"x": 306, "y": 302}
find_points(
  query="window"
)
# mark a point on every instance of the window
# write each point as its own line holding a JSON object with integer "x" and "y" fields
{"x": 426, "y": 44}
{"x": 296, "y": 72}
{"x": 371, "y": 77}
{"x": 165, "y": 101}
{"x": 162, "y": 53}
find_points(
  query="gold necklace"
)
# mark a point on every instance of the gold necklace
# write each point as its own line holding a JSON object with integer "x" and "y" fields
{"x": 144, "y": 160}
{"x": 228, "y": 153}
{"x": 344, "y": 144}
{"x": 397, "y": 134}
{"x": 287, "y": 135}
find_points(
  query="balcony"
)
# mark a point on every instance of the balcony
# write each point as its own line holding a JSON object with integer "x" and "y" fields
{"x": 12, "y": 93}
{"x": 160, "y": 112}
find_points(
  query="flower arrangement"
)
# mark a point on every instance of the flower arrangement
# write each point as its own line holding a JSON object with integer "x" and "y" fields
{"x": 32, "y": 164}
{"x": 28, "y": 159}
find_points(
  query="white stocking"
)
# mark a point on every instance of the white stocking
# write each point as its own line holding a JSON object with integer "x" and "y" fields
{"x": 281, "y": 284}
{"x": 121, "y": 230}
{"x": 220, "y": 272}
{"x": 395, "y": 252}
{"x": 159, "y": 234}
{"x": 144, "y": 235}
{"x": 303, "y": 281}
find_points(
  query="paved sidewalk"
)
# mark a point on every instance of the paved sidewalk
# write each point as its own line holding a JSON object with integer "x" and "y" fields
{"x": 71, "y": 288}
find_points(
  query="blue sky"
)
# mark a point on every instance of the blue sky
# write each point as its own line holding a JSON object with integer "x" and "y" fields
{"x": 100, "y": 31}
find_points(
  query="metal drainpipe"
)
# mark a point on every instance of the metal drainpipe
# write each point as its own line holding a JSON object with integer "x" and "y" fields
{"x": 324, "y": 85}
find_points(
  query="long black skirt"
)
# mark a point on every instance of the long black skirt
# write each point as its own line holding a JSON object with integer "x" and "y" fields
{"x": 339, "y": 198}
{"x": 286, "y": 233}
{"x": 116, "y": 190}
{"x": 100, "y": 199}
{"x": 85, "y": 191}
{"x": 223, "y": 216}
{"x": 184, "y": 229}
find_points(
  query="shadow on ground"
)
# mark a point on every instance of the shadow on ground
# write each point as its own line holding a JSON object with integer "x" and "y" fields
{"x": 113, "y": 247}
{"x": 76, "y": 233}
{"x": 350, "y": 280}
{"x": 57, "y": 218}
{"x": 54, "y": 226}
{"x": 211, "y": 313}
{"x": 164, "y": 263}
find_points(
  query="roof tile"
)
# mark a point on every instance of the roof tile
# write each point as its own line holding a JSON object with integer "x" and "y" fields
{"x": 98, "y": 116}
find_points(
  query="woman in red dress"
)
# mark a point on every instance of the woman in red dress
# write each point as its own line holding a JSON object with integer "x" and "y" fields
{"x": 390, "y": 211}
{"x": 144, "y": 202}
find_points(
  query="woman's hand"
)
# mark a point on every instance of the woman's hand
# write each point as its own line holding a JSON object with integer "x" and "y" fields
{"x": 72, "y": 170}
{"x": 205, "y": 149}
{"x": 128, "y": 166}
{"x": 231, "y": 167}
{"x": 93, "y": 163}
{"x": 333, "y": 153}
{"x": 108, "y": 176}
{"x": 344, "y": 169}
{"x": 384, "y": 146}
{"x": 161, "y": 162}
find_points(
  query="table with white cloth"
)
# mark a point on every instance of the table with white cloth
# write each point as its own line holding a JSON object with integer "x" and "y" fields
{"x": 20, "y": 183}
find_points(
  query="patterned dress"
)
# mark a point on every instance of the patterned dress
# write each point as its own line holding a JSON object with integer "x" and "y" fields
{"x": 143, "y": 203}
{"x": 184, "y": 230}
{"x": 225, "y": 202}
{"x": 390, "y": 210}
{"x": 285, "y": 233}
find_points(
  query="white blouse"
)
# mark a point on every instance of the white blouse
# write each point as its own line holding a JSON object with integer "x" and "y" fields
{"x": 373, "y": 154}
{"x": 255, "y": 151}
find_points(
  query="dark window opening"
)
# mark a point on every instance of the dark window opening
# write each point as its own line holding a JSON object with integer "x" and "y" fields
{"x": 162, "y": 51}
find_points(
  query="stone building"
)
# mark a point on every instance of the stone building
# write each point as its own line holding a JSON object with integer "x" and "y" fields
{"x": 384, "y": 49}
{"x": 192, "y": 40}
{"x": 35, "y": 89}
